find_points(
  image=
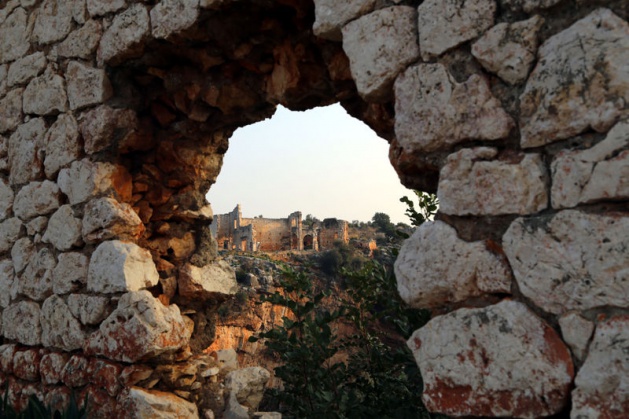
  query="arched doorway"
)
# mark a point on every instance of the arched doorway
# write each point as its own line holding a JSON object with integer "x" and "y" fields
{"x": 308, "y": 242}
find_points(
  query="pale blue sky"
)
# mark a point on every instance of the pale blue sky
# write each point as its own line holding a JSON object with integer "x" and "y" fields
{"x": 321, "y": 162}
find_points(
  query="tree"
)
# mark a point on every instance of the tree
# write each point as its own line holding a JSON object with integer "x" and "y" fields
{"x": 428, "y": 205}
{"x": 383, "y": 223}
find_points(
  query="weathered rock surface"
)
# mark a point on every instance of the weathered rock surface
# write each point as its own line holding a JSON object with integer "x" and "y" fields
{"x": 211, "y": 281}
{"x": 500, "y": 360}
{"x": 86, "y": 85}
{"x": 51, "y": 366}
{"x": 508, "y": 49}
{"x": 380, "y": 45}
{"x": 89, "y": 309}
{"x": 169, "y": 17}
{"x": 493, "y": 186}
{"x": 102, "y": 7}
{"x": 22, "y": 253}
{"x": 106, "y": 218}
{"x": 140, "y": 327}
{"x": 36, "y": 198}
{"x": 25, "y": 158}
{"x": 36, "y": 281}
{"x": 26, "y": 364}
{"x": 444, "y": 24}
{"x": 433, "y": 111}
{"x": 15, "y": 35}
{"x": 576, "y": 332}
{"x": 24, "y": 69}
{"x": 6, "y": 199}
{"x": 602, "y": 384}
{"x": 20, "y": 322}
{"x": 528, "y": 5}
{"x": 10, "y": 231}
{"x": 126, "y": 36}
{"x": 571, "y": 261}
{"x": 247, "y": 386}
{"x": 331, "y": 16}
{"x": 7, "y": 283}
{"x": 116, "y": 266}
{"x": 581, "y": 81}
{"x": 104, "y": 125}
{"x": 45, "y": 95}
{"x": 83, "y": 42}
{"x": 598, "y": 173}
{"x": 64, "y": 229}
{"x": 142, "y": 403}
{"x": 60, "y": 329}
{"x": 435, "y": 268}
{"x": 11, "y": 110}
{"x": 53, "y": 22}
{"x": 85, "y": 180}
{"x": 62, "y": 145}
{"x": 70, "y": 273}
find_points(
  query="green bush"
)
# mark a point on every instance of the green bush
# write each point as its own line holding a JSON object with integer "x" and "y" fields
{"x": 37, "y": 410}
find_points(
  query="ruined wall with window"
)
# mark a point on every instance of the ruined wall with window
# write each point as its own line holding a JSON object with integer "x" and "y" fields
{"x": 115, "y": 115}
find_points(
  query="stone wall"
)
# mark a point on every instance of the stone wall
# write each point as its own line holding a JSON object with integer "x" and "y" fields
{"x": 114, "y": 116}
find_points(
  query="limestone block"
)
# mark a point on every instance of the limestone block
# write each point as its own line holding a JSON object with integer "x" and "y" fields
{"x": 60, "y": 329}
{"x": 227, "y": 359}
{"x": 24, "y": 69}
{"x": 85, "y": 180}
{"x": 62, "y": 145}
{"x": 380, "y": 45}
{"x": 74, "y": 372}
{"x": 89, "y": 309}
{"x": 444, "y": 24}
{"x": 436, "y": 268}
{"x": 576, "y": 332}
{"x": 25, "y": 152}
{"x": 103, "y": 126}
{"x": 36, "y": 198}
{"x": 20, "y": 322}
{"x": 36, "y": 281}
{"x": 581, "y": 81}
{"x": 508, "y": 49}
{"x": 45, "y": 95}
{"x": 83, "y": 42}
{"x": 7, "y": 351}
{"x": 116, "y": 266}
{"x": 51, "y": 367}
{"x": 142, "y": 403}
{"x": 473, "y": 183}
{"x": 598, "y": 173}
{"x": 433, "y": 111}
{"x": 6, "y": 199}
{"x": 247, "y": 385}
{"x": 571, "y": 261}
{"x": 169, "y": 17}
{"x": 22, "y": 253}
{"x": 140, "y": 327}
{"x": 64, "y": 229}
{"x": 26, "y": 364}
{"x": 104, "y": 375}
{"x": 10, "y": 231}
{"x": 126, "y": 36}
{"x": 15, "y": 33}
{"x": 602, "y": 384}
{"x": 331, "y": 16}
{"x": 36, "y": 226}
{"x": 102, "y": 7}
{"x": 79, "y": 11}
{"x": 53, "y": 21}
{"x": 106, "y": 218}
{"x": 70, "y": 274}
{"x": 500, "y": 360}
{"x": 211, "y": 281}
{"x": 8, "y": 284}
{"x": 87, "y": 85}
{"x": 11, "y": 110}
{"x": 527, "y": 5}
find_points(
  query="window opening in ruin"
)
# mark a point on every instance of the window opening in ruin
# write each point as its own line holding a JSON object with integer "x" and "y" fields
{"x": 308, "y": 242}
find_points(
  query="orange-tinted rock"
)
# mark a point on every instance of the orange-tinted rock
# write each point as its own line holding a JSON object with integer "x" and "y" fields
{"x": 26, "y": 364}
{"x": 104, "y": 375}
{"x": 75, "y": 372}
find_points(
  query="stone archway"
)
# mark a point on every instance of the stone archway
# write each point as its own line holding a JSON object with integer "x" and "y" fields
{"x": 308, "y": 242}
{"x": 114, "y": 117}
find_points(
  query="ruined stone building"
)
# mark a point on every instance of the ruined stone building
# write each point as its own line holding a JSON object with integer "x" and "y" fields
{"x": 233, "y": 232}
{"x": 114, "y": 119}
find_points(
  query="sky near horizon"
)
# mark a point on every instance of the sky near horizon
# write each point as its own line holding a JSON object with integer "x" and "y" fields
{"x": 321, "y": 162}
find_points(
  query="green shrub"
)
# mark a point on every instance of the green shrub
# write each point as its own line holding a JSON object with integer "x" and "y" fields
{"x": 37, "y": 410}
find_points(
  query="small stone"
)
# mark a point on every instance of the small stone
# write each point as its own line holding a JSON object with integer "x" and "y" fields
{"x": 36, "y": 198}
{"x": 60, "y": 329}
{"x": 104, "y": 126}
{"x": 596, "y": 174}
{"x": 508, "y": 49}
{"x": 133, "y": 374}
{"x": 444, "y": 24}
{"x": 142, "y": 403}
{"x": 45, "y": 95}
{"x": 20, "y": 322}
{"x": 14, "y": 36}
{"x": 70, "y": 274}
{"x": 102, "y": 7}
{"x": 528, "y": 6}
{"x": 24, "y": 69}
{"x": 62, "y": 145}
{"x": 6, "y": 199}
{"x": 85, "y": 180}
{"x": 473, "y": 182}
{"x": 331, "y": 16}
{"x": 380, "y": 45}
{"x": 79, "y": 11}
{"x": 247, "y": 385}
{"x": 25, "y": 156}
{"x": 116, "y": 266}
{"x": 83, "y": 42}
{"x": 53, "y": 21}
{"x": 64, "y": 229}
{"x": 571, "y": 260}
{"x": 7, "y": 283}
{"x": 434, "y": 112}
{"x": 89, "y": 309}
{"x": 36, "y": 281}
{"x": 51, "y": 367}
{"x": 87, "y": 85}
{"x": 11, "y": 110}
{"x": 602, "y": 384}
{"x": 140, "y": 327}
{"x": 74, "y": 373}
{"x": 104, "y": 374}
{"x": 581, "y": 81}
{"x": 7, "y": 351}
{"x": 169, "y": 17}
{"x": 10, "y": 231}
{"x": 227, "y": 359}
{"x": 126, "y": 36}
{"x": 435, "y": 268}
{"x": 106, "y": 218}
{"x": 576, "y": 332}
{"x": 26, "y": 364}
{"x": 36, "y": 225}
{"x": 497, "y": 361}
{"x": 211, "y": 281}
{"x": 22, "y": 253}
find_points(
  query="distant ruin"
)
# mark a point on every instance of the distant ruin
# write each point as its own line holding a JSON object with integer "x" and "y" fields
{"x": 234, "y": 232}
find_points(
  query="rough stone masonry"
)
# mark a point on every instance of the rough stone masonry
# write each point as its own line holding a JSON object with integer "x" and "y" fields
{"x": 115, "y": 115}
